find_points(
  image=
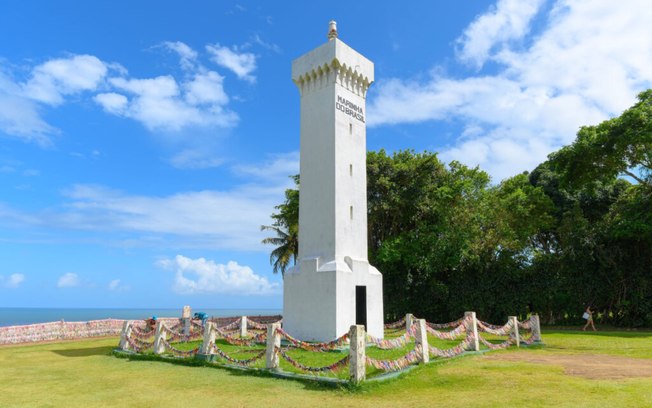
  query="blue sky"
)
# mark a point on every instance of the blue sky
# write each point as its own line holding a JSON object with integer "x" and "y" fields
{"x": 142, "y": 144}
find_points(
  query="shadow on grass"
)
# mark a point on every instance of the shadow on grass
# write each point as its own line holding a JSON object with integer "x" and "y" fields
{"x": 308, "y": 384}
{"x": 85, "y": 352}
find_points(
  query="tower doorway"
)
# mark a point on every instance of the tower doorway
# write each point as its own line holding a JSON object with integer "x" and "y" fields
{"x": 361, "y": 305}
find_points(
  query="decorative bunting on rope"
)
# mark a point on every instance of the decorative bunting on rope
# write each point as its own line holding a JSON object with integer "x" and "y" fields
{"x": 180, "y": 353}
{"x": 526, "y": 325}
{"x": 231, "y": 326}
{"x": 451, "y": 335}
{"x": 400, "y": 363}
{"x": 251, "y": 324}
{"x": 395, "y": 342}
{"x": 260, "y": 338}
{"x": 175, "y": 327}
{"x": 246, "y": 362}
{"x": 495, "y": 330}
{"x": 331, "y": 367}
{"x": 339, "y": 342}
{"x": 195, "y": 334}
{"x": 396, "y": 324}
{"x": 137, "y": 341}
{"x": 529, "y": 339}
{"x": 449, "y": 325}
{"x": 141, "y": 334}
{"x": 139, "y": 346}
{"x": 498, "y": 346}
{"x": 454, "y": 351}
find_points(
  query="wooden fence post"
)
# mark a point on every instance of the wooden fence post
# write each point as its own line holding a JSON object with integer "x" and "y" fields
{"x": 273, "y": 342}
{"x": 472, "y": 328}
{"x": 515, "y": 335}
{"x": 209, "y": 339}
{"x": 243, "y": 326}
{"x": 126, "y": 332}
{"x": 421, "y": 340}
{"x": 357, "y": 354}
{"x": 159, "y": 347}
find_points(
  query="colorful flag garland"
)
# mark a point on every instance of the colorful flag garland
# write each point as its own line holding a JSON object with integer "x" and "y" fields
{"x": 331, "y": 367}
{"x": 339, "y": 342}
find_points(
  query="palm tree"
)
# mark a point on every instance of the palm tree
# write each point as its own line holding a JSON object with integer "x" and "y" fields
{"x": 287, "y": 247}
{"x": 286, "y": 228}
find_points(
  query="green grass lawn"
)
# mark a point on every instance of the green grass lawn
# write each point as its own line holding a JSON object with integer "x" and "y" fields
{"x": 85, "y": 374}
{"x": 314, "y": 359}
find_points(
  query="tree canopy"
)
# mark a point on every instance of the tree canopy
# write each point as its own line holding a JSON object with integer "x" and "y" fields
{"x": 621, "y": 145}
{"x": 569, "y": 234}
{"x": 286, "y": 230}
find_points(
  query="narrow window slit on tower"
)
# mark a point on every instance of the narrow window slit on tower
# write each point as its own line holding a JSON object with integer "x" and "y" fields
{"x": 351, "y": 212}
{"x": 350, "y": 170}
{"x": 350, "y": 128}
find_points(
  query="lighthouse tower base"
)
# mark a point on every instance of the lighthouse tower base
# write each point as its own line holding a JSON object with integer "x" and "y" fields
{"x": 321, "y": 302}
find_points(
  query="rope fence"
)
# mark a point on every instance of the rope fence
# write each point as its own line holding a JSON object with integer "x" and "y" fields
{"x": 317, "y": 347}
{"x": 330, "y": 368}
{"x": 234, "y": 360}
{"x": 420, "y": 342}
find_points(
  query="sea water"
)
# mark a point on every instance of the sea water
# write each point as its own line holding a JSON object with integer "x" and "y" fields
{"x": 11, "y": 316}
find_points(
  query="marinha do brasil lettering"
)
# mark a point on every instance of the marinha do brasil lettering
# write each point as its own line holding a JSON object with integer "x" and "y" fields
{"x": 349, "y": 108}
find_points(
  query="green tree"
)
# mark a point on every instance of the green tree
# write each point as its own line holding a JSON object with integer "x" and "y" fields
{"x": 570, "y": 233}
{"x": 621, "y": 145}
{"x": 286, "y": 230}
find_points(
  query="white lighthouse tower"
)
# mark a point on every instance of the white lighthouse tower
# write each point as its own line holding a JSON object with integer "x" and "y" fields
{"x": 333, "y": 285}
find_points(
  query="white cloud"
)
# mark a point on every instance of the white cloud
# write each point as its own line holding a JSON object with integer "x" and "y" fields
{"x": 195, "y": 159}
{"x": 587, "y": 64}
{"x": 187, "y": 55}
{"x": 508, "y": 20}
{"x": 200, "y": 275}
{"x": 68, "y": 280}
{"x": 256, "y": 39}
{"x": 49, "y": 84}
{"x": 215, "y": 219}
{"x": 112, "y": 102}
{"x": 243, "y": 64}
{"x": 116, "y": 286}
{"x": 206, "y": 87}
{"x": 12, "y": 217}
{"x": 19, "y": 116}
{"x": 279, "y": 166}
{"x": 12, "y": 281}
{"x": 161, "y": 104}
{"x": 54, "y": 79}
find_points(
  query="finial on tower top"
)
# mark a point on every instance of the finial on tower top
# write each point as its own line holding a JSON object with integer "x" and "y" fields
{"x": 332, "y": 30}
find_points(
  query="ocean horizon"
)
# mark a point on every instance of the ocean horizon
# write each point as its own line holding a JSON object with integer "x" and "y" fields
{"x": 13, "y": 316}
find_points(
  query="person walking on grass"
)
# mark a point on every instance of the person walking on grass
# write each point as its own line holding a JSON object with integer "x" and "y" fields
{"x": 588, "y": 315}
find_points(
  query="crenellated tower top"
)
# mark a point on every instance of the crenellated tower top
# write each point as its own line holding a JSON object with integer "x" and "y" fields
{"x": 333, "y": 62}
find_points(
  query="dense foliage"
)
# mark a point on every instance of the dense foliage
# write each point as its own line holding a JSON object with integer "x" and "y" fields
{"x": 569, "y": 234}
{"x": 286, "y": 230}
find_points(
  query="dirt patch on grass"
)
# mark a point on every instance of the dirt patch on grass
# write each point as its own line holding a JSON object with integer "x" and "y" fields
{"x": 592, "y": 366}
